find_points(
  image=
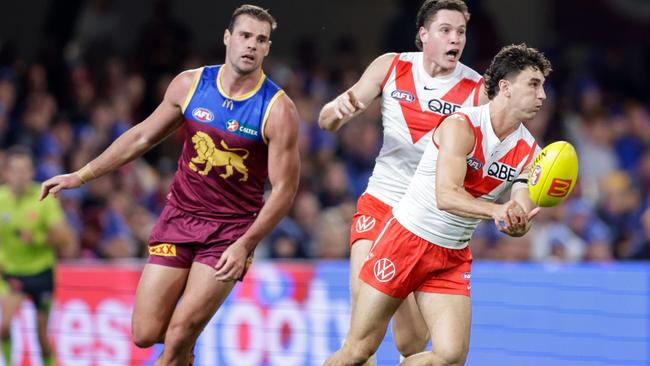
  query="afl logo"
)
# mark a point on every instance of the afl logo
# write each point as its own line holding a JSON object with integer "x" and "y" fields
{"x": 402, "y": 95}
{"x": 203, "y": 114}
{"x": 534, "y": 176}
{"x": 232, "y": 125}
{"x": 474, "y": 164}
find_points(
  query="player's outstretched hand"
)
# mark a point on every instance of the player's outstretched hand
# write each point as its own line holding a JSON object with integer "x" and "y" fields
{"x": 232, "y": 263}
{"x": 512, "y": 219}
{"x": 347, "y": 104}
{"x": 58, "y": 183}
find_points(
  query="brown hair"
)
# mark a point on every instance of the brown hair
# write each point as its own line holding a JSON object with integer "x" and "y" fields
{"x": 430, "y": 8}
{"x": 20, "y": 151}
{"x": 255, "y": 12}
{"x": 510, "y": 61}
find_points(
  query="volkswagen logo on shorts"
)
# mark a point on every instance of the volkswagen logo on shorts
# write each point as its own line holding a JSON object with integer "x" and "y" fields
{"x": 365, "y": 223}
{"x": 384, "y": 270}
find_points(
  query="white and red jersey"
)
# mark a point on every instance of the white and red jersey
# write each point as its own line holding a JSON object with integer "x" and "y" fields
{"x": 492, "y": 167}
{"x": 412, "y": 104}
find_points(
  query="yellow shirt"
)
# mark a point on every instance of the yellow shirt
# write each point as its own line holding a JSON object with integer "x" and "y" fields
{"x": 28, "y": 215}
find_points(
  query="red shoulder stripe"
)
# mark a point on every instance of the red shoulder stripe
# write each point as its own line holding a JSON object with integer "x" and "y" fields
{"x": 460, "y": 92}
{"x": 390, "y": 70}
{"x": 419, "y": 122}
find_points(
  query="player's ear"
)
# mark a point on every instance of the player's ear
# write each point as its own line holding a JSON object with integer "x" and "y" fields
{"x": 504, "y": 87}
{"x": 226, "y": 37}
{"x": 268, "y": 49}
{"x": 424, "y": 34}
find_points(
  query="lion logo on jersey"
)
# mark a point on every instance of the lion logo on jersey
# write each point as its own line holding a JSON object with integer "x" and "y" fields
{"x": 207, "y": 153}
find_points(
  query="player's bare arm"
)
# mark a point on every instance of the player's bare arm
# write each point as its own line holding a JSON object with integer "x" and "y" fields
{"x": 455, "y": 138}
{"x": 164, "y": 120}
{"x": 355, "y": 100}
{"x": 284, "y": 171}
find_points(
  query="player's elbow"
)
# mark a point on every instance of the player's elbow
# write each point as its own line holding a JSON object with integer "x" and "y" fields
{"x": 143, "y": 142}
{"x": 444, "y": 200}
{"x": 443, "y": 204}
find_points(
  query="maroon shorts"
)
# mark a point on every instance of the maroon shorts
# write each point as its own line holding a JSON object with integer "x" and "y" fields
{"x": 178, "y": 239}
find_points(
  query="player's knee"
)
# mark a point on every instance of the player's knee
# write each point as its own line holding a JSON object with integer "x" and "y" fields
{"x": 144, "y": 337}
{"x": 179, "y": 333}
{"x": 450, "y": 356}
{"x": 409, "y": 338}
{"x": 408, "y": 346}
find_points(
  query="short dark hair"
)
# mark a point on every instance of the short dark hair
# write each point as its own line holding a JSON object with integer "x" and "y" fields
{"x": 20, "y": 151}
{"x": 430, "y": 8}
{"x": 255, "y": 12}
{"x": 510, "y": 61}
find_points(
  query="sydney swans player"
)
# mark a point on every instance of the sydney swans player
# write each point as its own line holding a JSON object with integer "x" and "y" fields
{"x": 236, "y": 121}
{"x": 474, "y": 156}
{"x": 416, "y": 89}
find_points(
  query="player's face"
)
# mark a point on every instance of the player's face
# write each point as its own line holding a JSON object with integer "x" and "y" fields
{"x": 444, "y": 40}
{"x": 19, "y": 172}
{"x": 527, "y": 92}
{"x": 248, "y": 44}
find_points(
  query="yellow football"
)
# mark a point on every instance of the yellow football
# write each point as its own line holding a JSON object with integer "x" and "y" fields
{"x": 553, "y": 174}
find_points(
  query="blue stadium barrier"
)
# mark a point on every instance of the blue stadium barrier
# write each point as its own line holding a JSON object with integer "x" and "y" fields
{"x": 296, "y": 314}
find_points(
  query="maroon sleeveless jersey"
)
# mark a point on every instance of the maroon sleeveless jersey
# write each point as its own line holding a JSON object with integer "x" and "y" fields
{"x": 222, "y": 170}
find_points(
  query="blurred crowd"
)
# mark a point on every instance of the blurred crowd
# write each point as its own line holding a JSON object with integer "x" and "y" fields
{"x": 85, "y": 89}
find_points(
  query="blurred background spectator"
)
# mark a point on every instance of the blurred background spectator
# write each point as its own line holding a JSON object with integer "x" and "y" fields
{"x": 85, "y": 71}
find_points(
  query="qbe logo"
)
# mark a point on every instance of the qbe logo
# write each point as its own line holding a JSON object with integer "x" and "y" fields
{"x": 365, "y": 223}
{"x": 502, "y": 171}
{"x": 442, "y": 107}
{"x": 384, "y": 270}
